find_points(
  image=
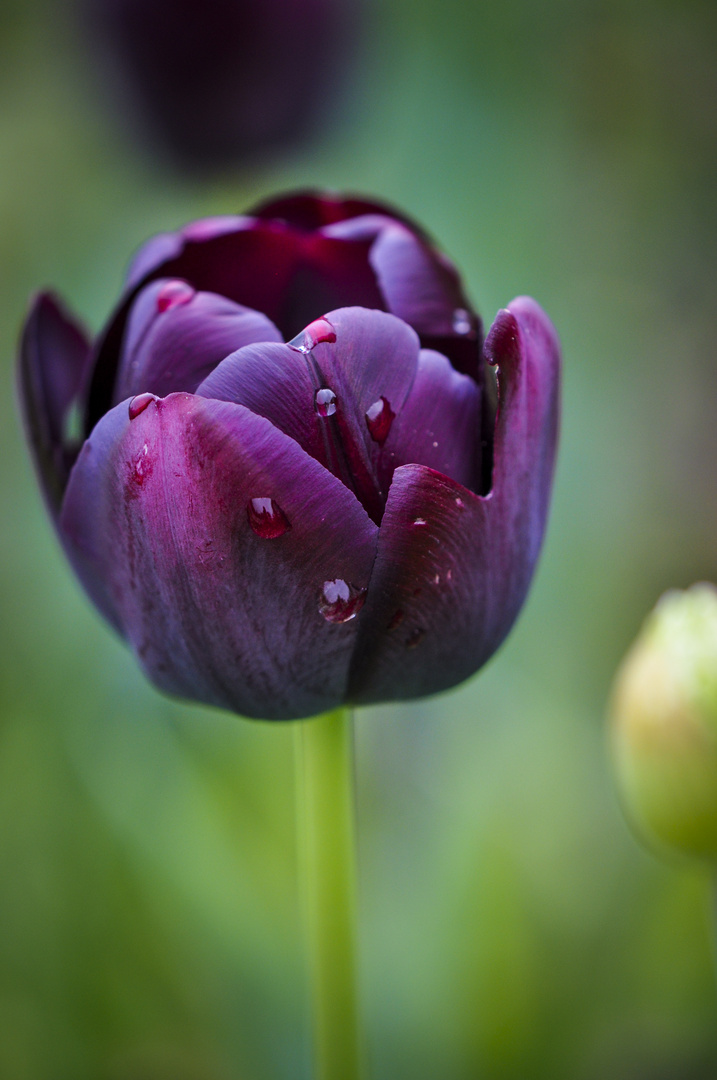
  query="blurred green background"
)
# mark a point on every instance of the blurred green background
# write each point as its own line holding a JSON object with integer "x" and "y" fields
{"x": 512, "y": 929}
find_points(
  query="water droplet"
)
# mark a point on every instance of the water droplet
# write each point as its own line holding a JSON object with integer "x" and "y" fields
{"x": 266, "y": 518}
{"x": 325, "y": 402}
{"x": 320, "y": 330}
{"x": 396, "y": 620}
{"x": 437, "y": 579}
{"x": 419, "y": 521}
{"x": 379, "y": 418}
{"x": 435, "y": 444}
{"x": 141, "y": 467}
{"x": 462, "y": 323}
{"x": 340, "y": 601}
{"x": 174, "y": 294}
{"x": 459, "y": 503}
{"x": 139, "y": 403}
{"x": 449, "y": 575}
{"x": 317, "y": 332}
{"x": 415, "y": 637}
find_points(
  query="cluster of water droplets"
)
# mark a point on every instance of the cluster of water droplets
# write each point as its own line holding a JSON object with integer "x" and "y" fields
{"x": 339, "y": 600}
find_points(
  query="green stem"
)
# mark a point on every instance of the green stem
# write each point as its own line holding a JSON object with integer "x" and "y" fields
{"x": 713, "y": 913}
{"x": 327, "y": 869}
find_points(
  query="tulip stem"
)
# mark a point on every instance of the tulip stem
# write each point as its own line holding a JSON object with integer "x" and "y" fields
{"x": 713, "y": 914}
{"x": 327, "y": 872}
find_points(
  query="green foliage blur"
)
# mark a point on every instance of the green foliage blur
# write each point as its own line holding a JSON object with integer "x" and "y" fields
{"x": 512, "y": 929}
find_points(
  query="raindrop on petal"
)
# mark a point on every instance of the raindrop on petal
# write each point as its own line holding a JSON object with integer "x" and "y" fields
{"x": 141, "y": 468}
{"x": 415, "y": 637}
{"x": 317, "y": 332}
{"x": 139, "y": 403}
{"x": 266, "y": 518}
{"x": 325, "y": 402}
{"x": 419, "y": 521}
{"x": 174, "y": 294}
{"x": 340, "y": 601}
{"x": 379, "y": 418}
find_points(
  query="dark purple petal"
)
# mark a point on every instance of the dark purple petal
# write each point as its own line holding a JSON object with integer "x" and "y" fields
{"x": 314, "y": 209}
{"x": 439, "y": 425}
{"x": 157, "y": 251}
{"x": 297, "y": 258}
{"x": 176, "y": 336}
{"x": 163, "y": 247}
{"x": 166, "y": 508}
{"x": 423, "y": 288}
{"x": 420, "y": 286}
{"x": 53, "y": 354}
{"x": 291, "y": 277}
{"x": 453, "y": 568}
{"x": 374, "y": 356}
{"x": 273, "y": 381}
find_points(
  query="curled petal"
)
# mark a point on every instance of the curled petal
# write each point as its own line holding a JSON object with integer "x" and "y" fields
{"x": 164, "y": 247}
{"x": 53, "y": 355}
{"x": 220, "y": 540}
{"x": 176, "y": 336}
{"x": 439, "y": 425}
{"x": 273, "y": 381}
{"x": 288, "y": 275}
{"x": 296, "y": 258}
{"x": 374, "y": 357}
{"x": 453, "y": 568}
{"x": 313, "y": 209}
{"x": 420, "y": 286}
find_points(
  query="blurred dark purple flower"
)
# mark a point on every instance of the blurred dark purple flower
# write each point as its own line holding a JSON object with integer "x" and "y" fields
{"x": 279, "y": 528}
{"x": 212, "y": 81}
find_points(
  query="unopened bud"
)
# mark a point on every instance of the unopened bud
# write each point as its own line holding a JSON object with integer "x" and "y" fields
{"x": 663, "y": 717}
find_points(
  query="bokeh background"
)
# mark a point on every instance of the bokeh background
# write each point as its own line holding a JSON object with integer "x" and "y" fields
{"x": 511, "y": 927}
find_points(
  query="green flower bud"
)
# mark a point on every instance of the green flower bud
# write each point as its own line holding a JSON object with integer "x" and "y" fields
{"x": 664, "y": 724}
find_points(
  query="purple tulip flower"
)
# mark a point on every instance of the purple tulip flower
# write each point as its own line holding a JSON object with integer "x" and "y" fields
{"x": 212, "y": 81}
{"x": 279, "y": 528}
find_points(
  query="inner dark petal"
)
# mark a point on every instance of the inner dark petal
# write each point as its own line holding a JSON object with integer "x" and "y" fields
{"x": 320, "y": 391}
{"x": 356, "y": 393}
{"x": 439, "y": 426}
{"x": 292, "y": 277}
{"x": 176, "y": 336}
{"x": 337, "y": 276}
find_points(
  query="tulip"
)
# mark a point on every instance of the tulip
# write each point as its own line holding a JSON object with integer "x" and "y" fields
{"x": 212, "y": 81}
{"x": 279, "y": 472}
{"x": 664, "y": 724}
